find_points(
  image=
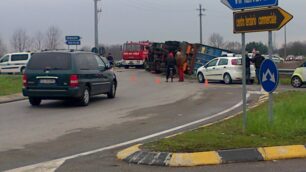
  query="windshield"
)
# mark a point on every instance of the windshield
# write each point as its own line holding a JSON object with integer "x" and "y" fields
{"x": 51, "y": 61}
{"x": 133, "y": 47}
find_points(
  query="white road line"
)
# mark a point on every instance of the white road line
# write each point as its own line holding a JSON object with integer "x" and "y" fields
{"x": 51, "y": 166}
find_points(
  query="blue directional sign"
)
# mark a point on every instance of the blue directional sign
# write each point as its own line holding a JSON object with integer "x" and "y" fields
{"x": 73, "y": 38}
{"x": 73, "y": 42}
{"x": 244, "y": 4}
{"x": 269, "y": 76}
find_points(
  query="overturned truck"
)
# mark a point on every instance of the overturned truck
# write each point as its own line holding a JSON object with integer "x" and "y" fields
{"x": 195, "y": 55}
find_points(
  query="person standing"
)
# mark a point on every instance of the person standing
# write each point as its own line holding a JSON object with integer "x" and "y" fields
{"x": 170, "y": 64}
{"x": 110, "y": 59}
{"x": 180, "y": 65}
{"x": 248, "y": 69}
{"x": 257, "y": 60}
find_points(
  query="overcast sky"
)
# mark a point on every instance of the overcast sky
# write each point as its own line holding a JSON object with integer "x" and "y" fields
{"x": 133, "y": 20}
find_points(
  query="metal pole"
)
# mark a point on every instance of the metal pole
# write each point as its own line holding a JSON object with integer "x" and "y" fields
{"x": 201, "y": 34}
{"x": 96, "y": 24}
{"x": 285, "y": 47}
{"x": 270, "y": 94}
{"x": 244, "y": 89}
{"x": 201, "y": 26}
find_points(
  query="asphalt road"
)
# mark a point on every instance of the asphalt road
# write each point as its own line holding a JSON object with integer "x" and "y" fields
{"x": 145, "y": 105}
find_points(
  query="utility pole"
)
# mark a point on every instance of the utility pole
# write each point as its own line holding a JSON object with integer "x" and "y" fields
{"x": 96, "y": 23}
{"x": 201, "y": 10}
{"x": 285, "y": 46}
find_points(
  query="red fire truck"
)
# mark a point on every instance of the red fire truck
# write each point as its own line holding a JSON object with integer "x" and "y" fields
{"x": 135, "y": 54}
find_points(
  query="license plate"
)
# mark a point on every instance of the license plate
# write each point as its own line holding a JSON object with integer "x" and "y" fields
{"x": 47, "y": 81}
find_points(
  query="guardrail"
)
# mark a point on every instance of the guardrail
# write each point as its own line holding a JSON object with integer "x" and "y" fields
{"x": 286, "y": 71}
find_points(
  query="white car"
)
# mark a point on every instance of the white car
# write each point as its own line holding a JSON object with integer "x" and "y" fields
{"x": 275, "y": 58}
{"x": 227, "y": 69}
{"x": 14, "y": 62}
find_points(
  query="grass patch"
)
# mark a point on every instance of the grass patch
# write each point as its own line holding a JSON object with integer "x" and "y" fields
{"x": 285, "y": 79}
{"x": 289, "y": 127}
{"x": 10, "y": 84}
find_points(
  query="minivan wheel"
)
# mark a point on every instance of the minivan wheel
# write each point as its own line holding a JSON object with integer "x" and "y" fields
{"x": 296, "y": 82}
{"x": 84, "y": 100}
{"x": 227, "y": 79}
{"x": 201, "y": 78}
{"x": 35, "y": 101}
{"x": 112, "y": 92}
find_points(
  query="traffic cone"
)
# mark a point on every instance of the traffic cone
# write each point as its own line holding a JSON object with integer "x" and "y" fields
{"x": 157, "y": 80}
{"x": 206, "y": 83}
{"x": 133, "y": 78}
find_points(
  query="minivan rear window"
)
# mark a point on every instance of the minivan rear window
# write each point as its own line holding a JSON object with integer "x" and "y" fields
{"x": 51, "y": 61}
{"x": 19, "y": 57}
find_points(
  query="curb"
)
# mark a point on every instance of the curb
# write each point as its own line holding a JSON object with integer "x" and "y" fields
{"x": 137, "y": 156}
{"x": 11, "y": 98}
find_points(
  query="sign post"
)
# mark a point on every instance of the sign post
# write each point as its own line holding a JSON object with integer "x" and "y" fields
{"x": 73, "y": 40}
{"x": 270, "y": 94}
{"x": 258, "y": 20}
{"x": 244, "y": 89}
{"x": 269, "y": 79}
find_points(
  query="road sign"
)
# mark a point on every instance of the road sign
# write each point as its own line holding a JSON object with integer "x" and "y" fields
{"x": 243, "y": 4}
{"x": 73, "y": 42}
{"x": 73, "y": 38}
{"x": 269, "y": 76}
{"x": 266, "y": 19}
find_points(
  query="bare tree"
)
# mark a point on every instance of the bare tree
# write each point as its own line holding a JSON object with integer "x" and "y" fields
{"x": 3, "y": 49}
{"x": 20, "y": 40}
{"x": 53, "y": 38}
{"x": 233, "y": 46}
{"x": 215, "y": 40}
{"x": 38, "y": 40}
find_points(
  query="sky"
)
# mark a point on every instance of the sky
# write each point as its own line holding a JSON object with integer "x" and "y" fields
{"x": 136, "y": 20}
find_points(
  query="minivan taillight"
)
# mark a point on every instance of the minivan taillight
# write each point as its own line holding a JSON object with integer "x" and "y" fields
{"x": 74, "y": 81}
{"x": 24, "y": 80}
{"x": 234, "y": 62}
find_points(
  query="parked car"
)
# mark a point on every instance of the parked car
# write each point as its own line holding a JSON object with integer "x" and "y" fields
{"x": 299, "y": 58}
{"x": 290, "y": 58}
{"x": 68, "y": 75}
{"x": 299, "y": 76}
{"x": 14, "y": 62}
{"x": 275, "y": 58}
{"x": 227, "y": 69}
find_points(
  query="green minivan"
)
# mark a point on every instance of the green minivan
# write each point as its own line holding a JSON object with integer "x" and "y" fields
{"x": 68, "y": 75}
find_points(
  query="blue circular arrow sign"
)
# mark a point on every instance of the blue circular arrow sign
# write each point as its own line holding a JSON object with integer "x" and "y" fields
{"x": 269, "y": 76}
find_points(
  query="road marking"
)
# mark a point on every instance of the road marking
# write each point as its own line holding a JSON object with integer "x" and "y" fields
{"x": 51, "y": 166}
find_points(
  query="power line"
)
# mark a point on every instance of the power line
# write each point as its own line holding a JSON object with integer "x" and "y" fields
{"x": 201, "y": 10}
